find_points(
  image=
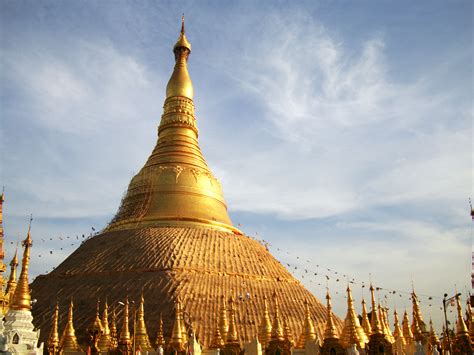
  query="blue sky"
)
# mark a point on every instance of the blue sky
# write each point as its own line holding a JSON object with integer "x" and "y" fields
{"x": 341, "y": 131}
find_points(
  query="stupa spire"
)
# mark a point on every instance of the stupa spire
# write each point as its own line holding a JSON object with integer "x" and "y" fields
{"x": 160, "y": 336}
{"x": 397, "y": 332}
{"x": 69, "y": 340}
{"x": 104, "y": 341}
{"x": 141, "y": 334}
{"x": 407, "y": 333}
{"x": 124, "y": 343}
{"x": 461, "y": 327}
{"x": 21, "y": 298}
{"x": 113, "y": 331}
{"x": 53, "y": 339}
{"x": 175, "y": 187}
{"x": 232, "y": 336}
{"x": 266, "y": 326}
{"x": 177, "y": 341}
{"x": 330, "y": 332}
{"x": 374, "y": 317}
{"x": 217, "y": 341}
{"x": 11, "y": 284}
{"x": 223, "y": 323}
{"x": 365, "y": 320}
{"x": 308, "y": 330}
{"x": 352, "y": 332}
{"x": 277, "y": 327}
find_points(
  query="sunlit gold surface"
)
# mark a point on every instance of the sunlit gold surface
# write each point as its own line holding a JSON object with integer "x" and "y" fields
{"x": 175, "y": 187}
{"x": 407, "y": 333}
{"x": 352, "y": 332}
{"x": 375, "y": 324}
{"x": 104, "y": 341}
{"x": 69, "y": 340}
{"x": 330, "y": 332}
{"x": 365, "y": 320}
{"x": 21, "y": 297}
{"x": 397, "y": 332}
{"x": 265, "y": 333}
{"x": 172, "y": 238}
{"x": 141, "y": 335}
{"x": 53, "y": 339}
{"x": 11, "y": 285}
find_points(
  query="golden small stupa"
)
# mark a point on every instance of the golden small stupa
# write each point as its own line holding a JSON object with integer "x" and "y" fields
{"x": 172, "y": 238}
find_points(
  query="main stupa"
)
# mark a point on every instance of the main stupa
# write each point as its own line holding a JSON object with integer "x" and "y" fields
{"x": 172, "y": 238}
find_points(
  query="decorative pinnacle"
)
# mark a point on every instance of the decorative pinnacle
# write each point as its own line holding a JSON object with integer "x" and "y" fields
{"x": 330, "y": 332}
{"x": 21, "y": 298}
{"x": 182, "y": 24}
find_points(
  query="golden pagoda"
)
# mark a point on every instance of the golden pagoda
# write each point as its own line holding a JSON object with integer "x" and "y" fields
{"x": 11, "y": 284}
{"x": 68, "y": 343}
{"x": 172, "y": 236}
{"x": 4, "y": 297}
{"x": 352, "y": 332}
{"x": 53, "y": 339}
{"x": 331, "y": 344}
{"x": 141, "y": 335}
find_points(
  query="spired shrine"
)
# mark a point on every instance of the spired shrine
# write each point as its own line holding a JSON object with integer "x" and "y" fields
{"x": 170, "y": 274}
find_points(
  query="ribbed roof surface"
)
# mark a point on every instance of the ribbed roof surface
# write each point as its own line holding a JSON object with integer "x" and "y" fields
{"x": 198, "y": 265}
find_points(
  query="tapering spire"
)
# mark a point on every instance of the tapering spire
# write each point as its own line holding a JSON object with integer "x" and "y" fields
{"x": 265, "y": 333}
{"x": 287, "y": 332}
{"x": 407, "y": 333}
{"x": 397, "y": 332}
{"x": 4, "y": 298}
{"x": 217, "y": 341}
{"x": 69, "y": 340}
{"x": 141, "y": 334}
{"x": 461, "y": 327}
{"x": 104, "y": 341}
{"x": 160, "y": 336}
{"x": 175, "y": 187}
{"x": 385, "y": 326}
{"x": 21, "y": 298}
{"x": 232, "y": 336}
{"x": 223, "y": 323}
{"x": 277, "y": 327}
{"x": 113, "y": 331}
{"x": 53, "y": 339}
{"x": 433, "y": 338}
{"x": 365, "y": 320}
{"x": 177, "y": 341}
{"x": 11, "y": 284}
{"x": 124, "y": 343}
{"x": 352, "y": 332}
{"x": 417, "y": 313}
{"x": 96, "y": 325}
{"x": 330, "y": 332}
{"x": 415, "y": 327}
{"x": 374, "y": 316}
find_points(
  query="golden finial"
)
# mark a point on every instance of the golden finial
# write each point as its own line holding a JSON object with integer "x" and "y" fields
{"x": 397, "y": 332}
{"x": 104, "y": 341}
{"x": 433, "y": 338}
{"x": 160, "y": 337}
{"x": 53, "y": 340}
{"x": 217, "y": 341}
{"x": 223, "y": 323}
{"x": 287, "y": 332}
{"x": 365, "y": 320}
{"x": 266, "y": 326}
{"x": 417, "y": 333}
{"x": 277, "y": 328}
{"x": 407, "y": 333}
{"x": 124, "y": 342}
{"x": 180, "y": 83}
{"x": 141, "y": 334}
{"x": 352, "y": 332}
{"x": 417, "y": 311}
{"x": 177, "y": 342}
{"x": 330, "y": 332}
{"x": 375, "y": 320}
{"x": 385, "y": 326}
{"x": 113, "y": 331}
{"x": 69, "y": 340}
{"x": 11, "y": 285}
{"x": 461, "y": 327}
{"x": 232, "y": 336}
{"x": 21, "y": 298}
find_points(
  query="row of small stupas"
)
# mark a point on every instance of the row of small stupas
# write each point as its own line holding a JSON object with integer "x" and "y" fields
{"x": 369, "y": 333}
